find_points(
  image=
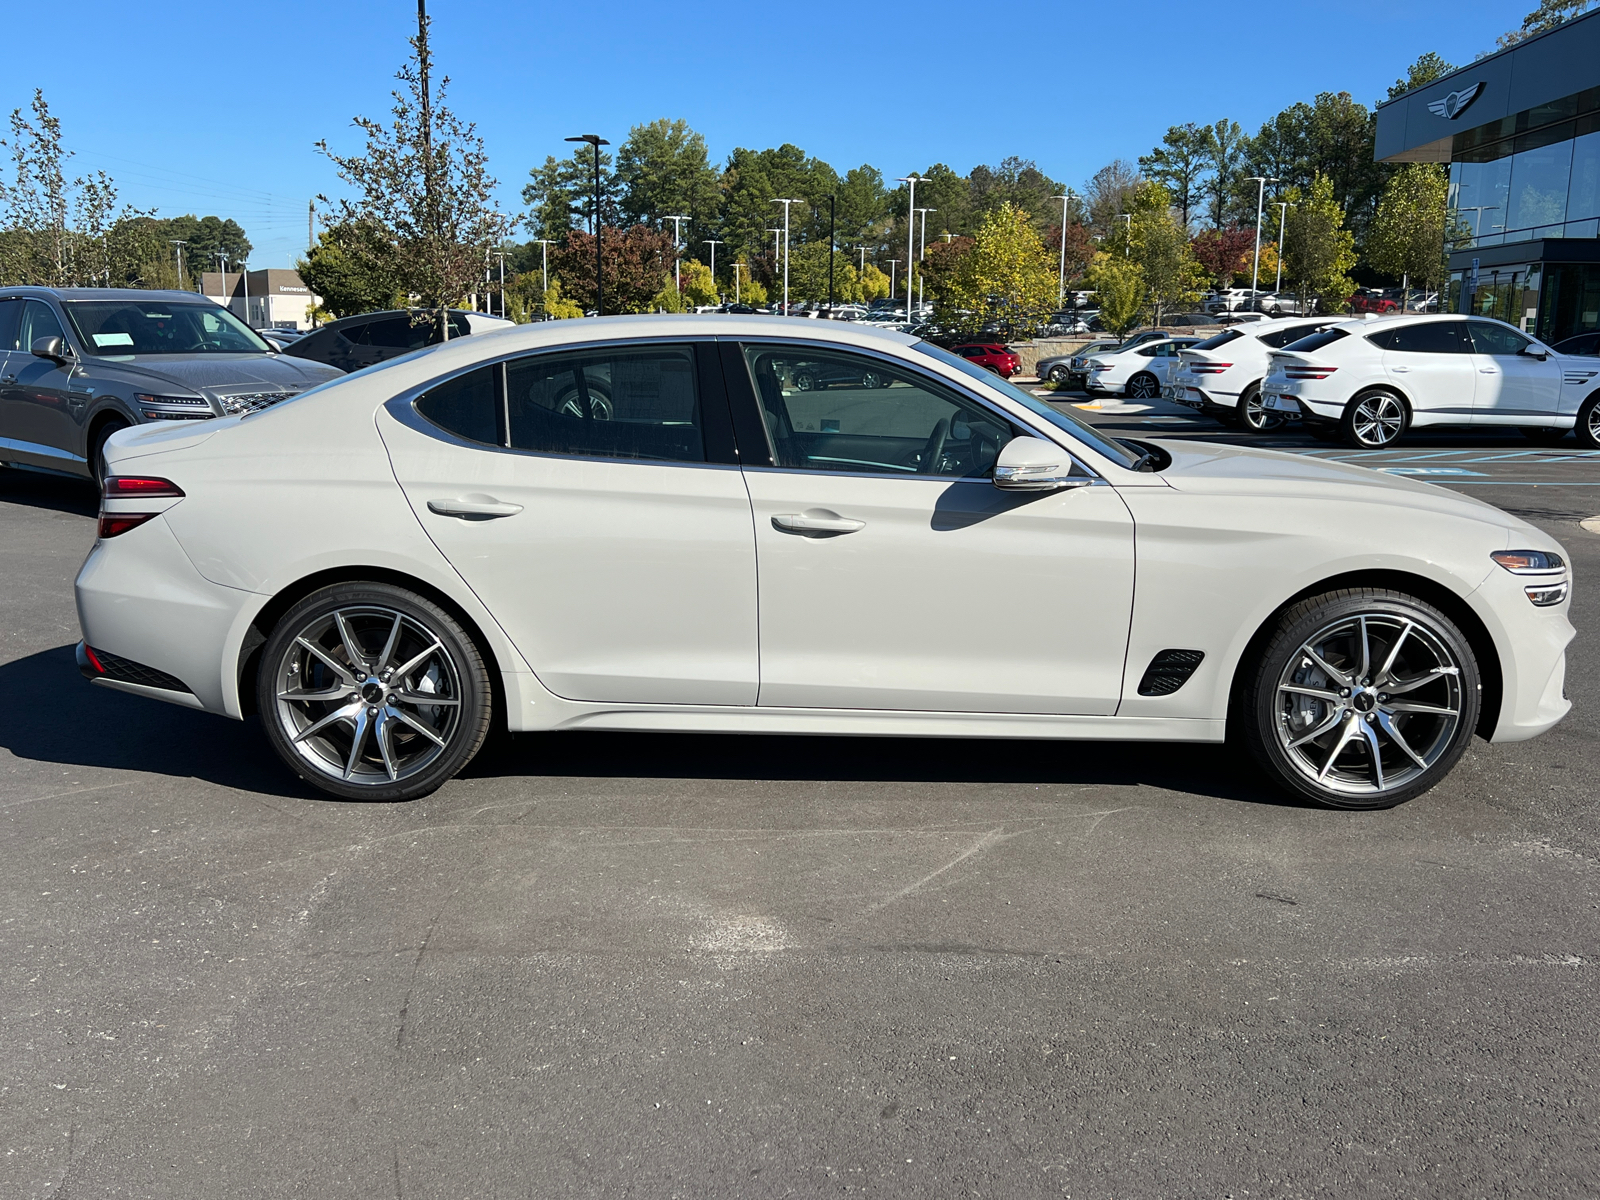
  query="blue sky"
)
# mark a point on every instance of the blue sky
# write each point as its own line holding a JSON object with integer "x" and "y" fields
{"x": 229, "y": 127}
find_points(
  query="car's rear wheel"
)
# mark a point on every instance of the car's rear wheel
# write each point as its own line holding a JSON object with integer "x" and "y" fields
{"x": 1588, "y": 427}
{"x": 1543, "y": 435}
{"x": 97, "y": 451}
{"x": 806, "y": 381}
{"x": 1251, "y": 416}
{"x": 1363, "y": 698}
{"x": 1143, "y": 386}
{"x": 1374, "y": 419}
{"x": 1058, "y": 375}
{"x": 371, "y": 692}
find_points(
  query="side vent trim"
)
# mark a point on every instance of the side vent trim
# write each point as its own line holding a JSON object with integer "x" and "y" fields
{"x": 1168, "y": 671}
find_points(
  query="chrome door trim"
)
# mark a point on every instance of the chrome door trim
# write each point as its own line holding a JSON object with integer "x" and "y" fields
{"x": 20, "y": 447}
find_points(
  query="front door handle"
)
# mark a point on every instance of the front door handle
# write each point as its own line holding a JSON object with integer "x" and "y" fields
{"x": 476, "y": 507}
{"x": 1488, "y": 370}
{"x": 1399, "y": 370}
{"x": 816, "y": 522}
{"x": 8, "y": 378}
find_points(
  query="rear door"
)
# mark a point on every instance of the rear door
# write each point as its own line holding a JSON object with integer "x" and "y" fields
{"x": 1513, "y": 388}
{"x": 38, "y": 414}
{"x": 592, "y": 500}
{"x": 1431, "y": 362}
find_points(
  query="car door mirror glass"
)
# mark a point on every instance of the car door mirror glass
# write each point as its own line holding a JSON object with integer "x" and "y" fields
{"x": 1031, "y": 464}
{"x": 53, "y": 347}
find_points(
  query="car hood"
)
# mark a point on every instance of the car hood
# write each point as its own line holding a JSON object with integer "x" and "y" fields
{"x": 1203, "y": 467}
{"x": 224, "y": 372}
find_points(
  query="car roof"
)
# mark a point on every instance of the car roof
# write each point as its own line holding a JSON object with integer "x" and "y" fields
{"x": 40, "y": 293}
{"x": 405, "y": 312}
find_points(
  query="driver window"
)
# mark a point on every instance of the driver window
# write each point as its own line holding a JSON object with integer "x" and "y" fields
{"x": 38, "y": 321}
{"x": 831, "y": 411}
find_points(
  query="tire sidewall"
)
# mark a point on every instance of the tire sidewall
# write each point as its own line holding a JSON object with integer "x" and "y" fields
{"x": 1299, "y": 623}
{"x": 477, "y": 700}
{"x": 1347, "y": 422}
{"x": 1586, "y": 416}
{"x": 98, "y": 466}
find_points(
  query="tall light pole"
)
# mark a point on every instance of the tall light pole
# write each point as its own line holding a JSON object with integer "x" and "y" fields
{"x": 910, "y": 181}
{"x": 1283, "y": 217}
{"x": 677, "y": 263}
{"x": 893, "y": 263}
{"x": 244, "y": 278}
{"x": 736, "y": 268}
{"x": 180, "y": 245}
{"x": 222, "y": 264}
{"x": 544, "y": 253}
{"x": 1127, "y": 240}
{"x": 501, "y": 255}
{"x": 922, "y": 251}
{"x": 1261, "y": 182}
{"x": 862, "y": 250}
{"x": 833, "y": 245}
{"x": 596, "y": 141}
{"x": 1061, "y": 282}
{"x": 713, "y": 243}
{"x": 786, "y": 204}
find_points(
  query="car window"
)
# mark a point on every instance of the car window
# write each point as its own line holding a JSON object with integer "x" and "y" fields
{"x": 1279, "y": 338}
{"x": 158, "y": 326}
{"x": 10, "y": 311}
{"x": 38, "y": 321}
{"x": 1424, "y": 337}
{"x": 1491, "y": 338}
{"x": 467, "y": 406}
{"x": 831, "y": 411}
{"x": 630, "y": 402}
{"x": 396, "y": 333}
{"x": 1221, "y": 339}
{"x": 1149, "y": 351}
{"x": 1316, "y": 341}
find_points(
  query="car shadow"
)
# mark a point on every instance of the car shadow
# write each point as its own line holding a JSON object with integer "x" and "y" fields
{"x": 49, "y": 713}
{"x": 57, "y": 493}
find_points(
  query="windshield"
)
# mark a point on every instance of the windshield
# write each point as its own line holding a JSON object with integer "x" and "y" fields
{"x": 161, "y": 327}
{"x": 1082, "y": 430}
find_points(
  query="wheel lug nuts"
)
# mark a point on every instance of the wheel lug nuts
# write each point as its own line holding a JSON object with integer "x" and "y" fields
{"x": 360, "y": 678}
{"x": 372, "y": 712}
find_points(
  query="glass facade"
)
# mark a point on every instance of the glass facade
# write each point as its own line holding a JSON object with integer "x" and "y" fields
{"x": 1541, "y": 184}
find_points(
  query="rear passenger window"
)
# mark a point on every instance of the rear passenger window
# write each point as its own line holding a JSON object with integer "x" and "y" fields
{"x": 466, "y": 406}
{"x": 624, "y": 403}
{"x": 1424, "y": 337}
{"x": 1279, "y": 338}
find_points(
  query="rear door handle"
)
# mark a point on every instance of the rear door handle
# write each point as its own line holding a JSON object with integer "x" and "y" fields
{"x": 8, "y": 378}
{"x": 816, "y": 522}
{"x": 1399, "y": 370}
{"x": 1488, "y": 370}
{"x": 476, "y": 507}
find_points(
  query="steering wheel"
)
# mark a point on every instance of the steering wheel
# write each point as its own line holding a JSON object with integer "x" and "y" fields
{"x": 934, "y": 450}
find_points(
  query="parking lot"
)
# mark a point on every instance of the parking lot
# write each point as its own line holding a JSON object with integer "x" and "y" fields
{"x": 636, "y": 965}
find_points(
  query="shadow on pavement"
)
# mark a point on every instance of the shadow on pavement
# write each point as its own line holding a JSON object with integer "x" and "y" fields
{"x": 35, "y": 489}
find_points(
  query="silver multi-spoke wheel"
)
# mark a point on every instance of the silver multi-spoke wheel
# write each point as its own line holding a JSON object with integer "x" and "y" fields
{"x": 1368, "y": 703}
{"x": 368, "y": 695}
{"x": 1253, "y": 416}
{"x": 1143, "y": 387}
{"x": 1362, "y": 698}
{"x": 1375, "y": 419}
{"x": 1588, "y": 426}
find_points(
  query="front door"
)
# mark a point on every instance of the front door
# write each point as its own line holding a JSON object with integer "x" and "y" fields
{"x": 593, "y": 503}
{"x": 1432, "y": 363}
{"x": 894, "y": 575}
{"x": 1513, "y": 388}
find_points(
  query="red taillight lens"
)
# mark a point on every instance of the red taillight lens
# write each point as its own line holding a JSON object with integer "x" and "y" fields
{"x": 129, "y": 487}
{"x": 1209, "y": 368}
{"x": 114, "y": 524}
{"x": 1309, "y": 372}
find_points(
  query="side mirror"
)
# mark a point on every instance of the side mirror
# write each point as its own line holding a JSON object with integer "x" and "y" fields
{"x": 1030, "y": 464}
{"x": 1532, "y": 350}
{"x": 54, "y": 348}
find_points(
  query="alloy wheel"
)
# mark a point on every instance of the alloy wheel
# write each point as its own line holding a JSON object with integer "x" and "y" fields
{"x": 1254, "y": 417}
{"x": 1368, "y": 704}
{"x": 1143, "y": 387}
{"x": 367, "y": 695}
{"x": 1376, "y": 420}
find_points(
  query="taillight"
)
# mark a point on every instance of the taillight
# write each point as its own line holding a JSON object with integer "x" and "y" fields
{"x": 133, "y": 487}
{"x": 1309, "y": 372}
{"x": 1209, "y": 368}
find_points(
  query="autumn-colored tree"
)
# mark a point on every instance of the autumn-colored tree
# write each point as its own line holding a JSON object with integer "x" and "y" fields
{"x": 1319, "y": 250}
{"x": 634, "y": 263}
{"x": 1118, "y": 282}
{"x": 669, "y": 299}
{"x": 874, "y": 284}
{"x": 1224, "y": 253}
{"x": 1006, "y": 279}
{"x": 699, "y": 288}
{"x": 556, "y": 306}
{"x": 1080, "y": 249}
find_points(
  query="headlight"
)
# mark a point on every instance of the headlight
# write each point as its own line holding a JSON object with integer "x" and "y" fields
{"x": 173, "y": 408}
{"x": 1546, "y": 571}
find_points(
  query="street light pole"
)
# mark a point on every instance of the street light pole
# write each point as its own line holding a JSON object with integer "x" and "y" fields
{"x": 893, "y": 263}
{"x": 832, "y": 246}
{"x": 1061, "y": 282}
{"x": 736, "y": 267}
{"x": 1283, "y": 217}
{"x": 501, "y": 255}
{"x": 244, "y": 278}
{"x": 222, "y": 264}
{"x": 786, "y": 204}
{"x": 596, "y": 141}
{"x": 180, "y": 245}
{"x": 544, "y": 253}
{"x": 922, "y": 251}
{"x": 713, "y": 243}
{"x": 910, "y": 181}
{"x": 1261, "y": 182}
{"x": 677, "y": 263}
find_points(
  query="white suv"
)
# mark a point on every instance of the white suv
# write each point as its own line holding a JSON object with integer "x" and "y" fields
{"x": 1222, "y": 375}
{"x": 1374, "y": 379}
{"x": 1139, "y": 373}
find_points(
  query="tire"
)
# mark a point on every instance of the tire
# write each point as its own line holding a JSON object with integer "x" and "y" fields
{"x": 871, "y": 379}
{"x": 1142, "y": 386}
{"x": 390, "y": 745}
{"x": 97, "y": 452}
{"x": 1315, "y": 704}
{"x": 805, "y": 381}
{"x": 1543, "y": 435}
{"x": 1374, "y": 420}
{"x": 1588, "y": 427}
{"x": 1057, "y": 376}
{"x": 1249, "y": 414}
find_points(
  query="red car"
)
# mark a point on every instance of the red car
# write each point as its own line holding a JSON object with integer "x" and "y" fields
{"x": 992, "y": 356}
{"x": 1375, "y": 300}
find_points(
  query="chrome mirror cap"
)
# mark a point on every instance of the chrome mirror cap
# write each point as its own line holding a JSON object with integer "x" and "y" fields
{"x": 1030, "y": 464}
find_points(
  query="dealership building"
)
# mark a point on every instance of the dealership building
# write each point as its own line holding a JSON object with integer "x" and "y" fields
{"x": 1520, "y": 131}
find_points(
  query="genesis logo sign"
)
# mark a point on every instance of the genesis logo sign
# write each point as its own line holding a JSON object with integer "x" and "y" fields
{"x": 1453, "y": 105}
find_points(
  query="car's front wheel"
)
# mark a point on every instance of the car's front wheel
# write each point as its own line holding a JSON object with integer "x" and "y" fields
{"x": 1143, "y": 386}
{"x": 371, "y": 692}
{"x": 97, "y": 451}
{"x": 1058, "y": 375}
{"x": 1588, "y": 427}
{"x": 1374, "y": 420}
{"x": 1362, "y": 698}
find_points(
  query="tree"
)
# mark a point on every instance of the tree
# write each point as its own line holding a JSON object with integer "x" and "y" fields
{"x": 1080, "y": 248}
{"x": 754, "y": 178}
{"x": 699, "y": 288}
{"x": 669, "y": 299}
{"x": 564, "y": 188}
{"x": 1225, "y": 146}
{"x": 1178, "y": 165}
{"x": 557, "y": 307}
{"x": 424, "y": 181}
{"x": 663, "y": 169}
{"x": 874, "y": 284}
{"x": 1340, "y": 137}
{"x": 1548, "y": 15}
{"x": 56, "y": 231}
{"x": 635, "y": 260}
{"x": 862, "y": 208}
{"x": 808, "y": 274}
{"x": 1160, "y": 246}
{"x": 1421, "y": 73}
{"x": 1119, "y": 286}
{"x": 1107, "y": 195}
{"x": 1019, "y": 183}
{"x": 1407, "y": 238}
{"x": 352, "y": 267}
{"x": 948, "y": 194}
{"x": 1318, "y": 250}
{"x": 1006, "y": 278}
{"x": 1224, "y": 252}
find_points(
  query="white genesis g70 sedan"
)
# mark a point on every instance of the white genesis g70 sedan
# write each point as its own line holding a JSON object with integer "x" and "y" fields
{"x": 642, "y": 523}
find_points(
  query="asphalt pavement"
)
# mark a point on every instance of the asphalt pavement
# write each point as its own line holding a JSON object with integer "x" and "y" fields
{"x": 630, "y": 965}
